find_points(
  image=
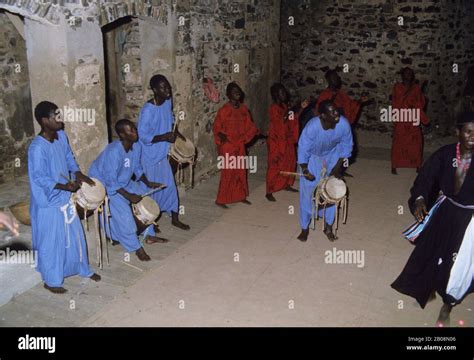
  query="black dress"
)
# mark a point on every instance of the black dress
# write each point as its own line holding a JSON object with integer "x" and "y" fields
{"x": 430, "y": 263}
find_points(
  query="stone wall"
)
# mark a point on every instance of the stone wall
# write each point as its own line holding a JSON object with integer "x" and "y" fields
{"x": 185, "y": 40}
{"x": 369, "y": 37}
{"x": 16, "y": 119}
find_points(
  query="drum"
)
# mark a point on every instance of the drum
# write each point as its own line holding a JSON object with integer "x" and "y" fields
{"x": 182, "y": 151}
{"x": 88, "y": 198}
{"x": 332, "y": 190}
{"x": 145, "y": 213}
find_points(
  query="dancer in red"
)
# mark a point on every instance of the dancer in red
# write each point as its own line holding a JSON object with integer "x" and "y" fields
{"x": 407, "y": 144}
{"x": 346, "y": 106}
{"x": 233, "y": 129}
{"x": 282, "y": 138}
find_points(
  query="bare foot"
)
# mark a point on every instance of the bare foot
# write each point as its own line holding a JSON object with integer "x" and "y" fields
{"x": 142, "y": 255}
{"x": 289, "y": 188}
{"x": 95, "y": 277}
{"x": 157, "y": 229}
{"x": 329, "y": 233}
{"x": 55, "y": 290}
{"x": 270, "y": 197}
{"x": 443, "y": 318}
{"x": 155, "y": 239}
{"x": 246, "y": 202}
{"x": 224, "y": 206}
{"x": 303, "y": 236}
{"x": 180, "y": 225}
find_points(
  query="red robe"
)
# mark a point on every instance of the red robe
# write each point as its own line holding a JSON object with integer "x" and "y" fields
{"x": 282, "y": 137}
{"x": 341, "y": 100}
{"x": 239, "y": 128}
{"x": 407, "y": 143}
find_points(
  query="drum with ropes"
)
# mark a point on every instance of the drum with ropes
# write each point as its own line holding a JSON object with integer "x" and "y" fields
{"x": 330, "y": 191}
{"x": 92, "y": 201}
{"x": 145, "y": 213}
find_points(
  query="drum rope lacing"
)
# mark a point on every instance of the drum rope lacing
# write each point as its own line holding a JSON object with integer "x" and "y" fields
{"x": 320, "y": 200}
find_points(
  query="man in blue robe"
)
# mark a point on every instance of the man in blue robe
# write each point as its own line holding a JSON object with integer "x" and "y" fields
{"x": 326, "y": 142}
{"x": 57, "y": 233}
{"x": 115, "y": 167}
{"x": 155, "y": 130}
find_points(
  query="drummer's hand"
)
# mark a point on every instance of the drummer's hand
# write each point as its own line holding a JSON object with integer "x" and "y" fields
{"x": 308, "y": 175}
{"x": 155, "y": 185}
{"x": 9, "y": 222}
{"x": 134, "y": 198}
{"x": 420, "y": 210}
{"x": 71, "y": 186}
{"x": 180, "y": 135}
{"x": 80, "y": 178}
{"x": 170, "y": 137}
{"x": 222, "y": 137}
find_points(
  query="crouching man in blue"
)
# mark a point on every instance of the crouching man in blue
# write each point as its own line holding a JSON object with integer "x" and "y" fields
{"x": 115, "y": 167}
{"x": 325, "y": 142}
{"x": 58, "y": 236}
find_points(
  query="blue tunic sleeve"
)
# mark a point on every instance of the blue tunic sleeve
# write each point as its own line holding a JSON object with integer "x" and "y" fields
{"x": 137, "y": 170}
{"x": 344, "y": 147}
{"x": 306, "y": 142}
{"x": 70, "y": 159}
{"x": 112, "y": 163}
{"x": 38, "y": 171}
{"x": 145, "y": 125}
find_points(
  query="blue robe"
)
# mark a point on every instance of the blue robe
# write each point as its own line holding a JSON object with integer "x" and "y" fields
{"x": 315, "y": 147}
{"x": 114, "y": 168}
{"x": 57, "y": 233}
{"x": 158, "y": 120}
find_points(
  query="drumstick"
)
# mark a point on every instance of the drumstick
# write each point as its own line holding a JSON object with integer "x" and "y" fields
{"x": 292, "y": 173}
{"x": 153, "y": 190}
{"x": 67, "y": 178}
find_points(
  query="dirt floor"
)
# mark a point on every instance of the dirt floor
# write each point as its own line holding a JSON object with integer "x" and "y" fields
{"x": 245, "y": 267}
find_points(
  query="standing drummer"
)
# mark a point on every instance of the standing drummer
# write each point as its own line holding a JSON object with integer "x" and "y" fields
{"x": 115, "y": 167}
{"x": 57, "y": 233}
{"x": 155, "y": 129}
{"x": 325, "y": 142}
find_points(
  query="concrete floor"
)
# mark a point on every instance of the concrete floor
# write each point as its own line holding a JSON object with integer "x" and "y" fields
{"x": 244, "y": 267}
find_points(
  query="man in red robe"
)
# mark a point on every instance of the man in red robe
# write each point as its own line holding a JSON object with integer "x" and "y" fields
{"x": 346, "y": 106}
{"x": 233, "y": 129}
{"x": 407, "y": 143}
{"x": 281, "y": 141}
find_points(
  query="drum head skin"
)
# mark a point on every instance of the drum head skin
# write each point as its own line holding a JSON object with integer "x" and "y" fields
{"x": 182, "y": 150}
{"x": 335, "y": 188}
{"x": 93, "y": 193}
{"x": 149, "y": 208}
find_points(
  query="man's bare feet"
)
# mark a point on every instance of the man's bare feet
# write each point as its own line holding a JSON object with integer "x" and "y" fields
{"x": 156, "y": 228}
{"x": 394, "y": 171}
{"x": 175, "y": 222}
{"x": 155, "y": 239}
{"x": 289, "y": 188}
{"x": 224, "y": 206}
{"x": 55, "y": 290}
{"x": 95, "y": 277}
{"x": 443, "y": 318}
{"x": 142, "y": 255}
{"x": 270, "y": 197}
{"x": 246, "y": 202}
{"x": 303, "y": 236}
{"x": 329, "y": 233}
